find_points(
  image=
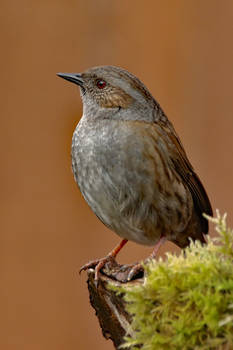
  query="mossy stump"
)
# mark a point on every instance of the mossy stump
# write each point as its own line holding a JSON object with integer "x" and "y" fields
{"x": 184, "y": 302}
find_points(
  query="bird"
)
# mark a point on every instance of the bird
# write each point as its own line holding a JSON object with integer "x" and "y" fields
{"x": 131, "y": 166}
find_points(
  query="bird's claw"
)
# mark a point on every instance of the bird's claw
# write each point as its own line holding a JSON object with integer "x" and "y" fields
{"x": 89, "y": 265}
{"x": 121, "y": 273}
{"x": 135, "y": 270}
{"x": 97, "y": 265}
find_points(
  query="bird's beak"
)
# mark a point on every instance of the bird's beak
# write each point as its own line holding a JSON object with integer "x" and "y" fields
{"x": 75, "y": 78}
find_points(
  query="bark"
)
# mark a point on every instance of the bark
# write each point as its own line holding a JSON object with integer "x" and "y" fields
{"x": 110, "y": 307}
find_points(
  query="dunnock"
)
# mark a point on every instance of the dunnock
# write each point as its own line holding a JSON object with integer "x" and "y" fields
{"x": 131, "y": 167}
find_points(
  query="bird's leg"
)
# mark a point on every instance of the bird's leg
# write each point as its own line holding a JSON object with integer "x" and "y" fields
{"x": 99, "y": 263}
{"x": 137, "y": 268}
{"x": 161, "y": 241}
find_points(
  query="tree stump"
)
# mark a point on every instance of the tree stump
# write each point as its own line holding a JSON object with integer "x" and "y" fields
{"x": 110, "y": 307}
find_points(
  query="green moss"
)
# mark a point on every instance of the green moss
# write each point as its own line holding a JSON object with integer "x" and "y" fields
{"x": 186, "y": 301}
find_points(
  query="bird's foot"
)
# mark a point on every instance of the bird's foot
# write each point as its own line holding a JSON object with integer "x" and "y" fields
{"x": 135, "y": 271}
{"x": 97, "y": 265}
{"x": 109, "y": 267}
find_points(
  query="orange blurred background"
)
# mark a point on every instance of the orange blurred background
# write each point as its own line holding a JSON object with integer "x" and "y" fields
{"x": 182, "y": 50}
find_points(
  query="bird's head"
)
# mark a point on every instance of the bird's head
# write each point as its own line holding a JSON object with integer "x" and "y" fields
{"x": 111, "y": 88}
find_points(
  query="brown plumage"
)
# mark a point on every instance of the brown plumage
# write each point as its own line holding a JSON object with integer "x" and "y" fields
{"x": 130, "y": 164}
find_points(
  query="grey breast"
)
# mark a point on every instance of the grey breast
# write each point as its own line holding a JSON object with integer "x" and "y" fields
{"x": 116, "y": 180}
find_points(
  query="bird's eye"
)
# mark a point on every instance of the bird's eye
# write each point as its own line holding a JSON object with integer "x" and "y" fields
{"x": 100, "y": 84}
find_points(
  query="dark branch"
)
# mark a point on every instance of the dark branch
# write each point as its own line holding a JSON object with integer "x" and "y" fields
{"x": 110, "y": 307}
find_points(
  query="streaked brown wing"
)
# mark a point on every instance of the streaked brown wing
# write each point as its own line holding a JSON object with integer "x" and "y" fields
{"x": 185, "y": 170}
